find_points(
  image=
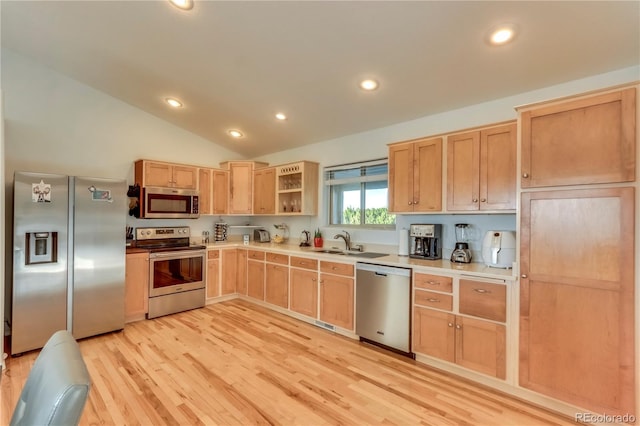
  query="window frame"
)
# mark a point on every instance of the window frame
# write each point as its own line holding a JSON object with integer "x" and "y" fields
{"x": 361, "y": 182}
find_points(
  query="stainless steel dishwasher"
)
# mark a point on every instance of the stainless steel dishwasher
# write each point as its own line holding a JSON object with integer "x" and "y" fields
{"x": 383, "y": 306}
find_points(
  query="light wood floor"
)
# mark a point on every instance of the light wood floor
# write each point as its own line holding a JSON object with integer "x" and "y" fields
{"x": 238, "y": 363}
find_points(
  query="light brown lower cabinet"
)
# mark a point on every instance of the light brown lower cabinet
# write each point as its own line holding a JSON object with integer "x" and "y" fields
{"x": 241, "y": 278}
{"x": 213, "y": 273}
{"x": 277, "y": 285}
{"x": 472, "y": 343}
{"x": 136, "y": 299}
{"x": 337, "y": 294}
{"x": 229, "y": 271}
{"x": 255, "y": 279}
{"x": 577, "y": 297}
{"x": 304, "y": 292}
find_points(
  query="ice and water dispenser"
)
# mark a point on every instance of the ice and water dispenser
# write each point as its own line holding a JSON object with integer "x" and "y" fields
{"x": 41, "y": 247}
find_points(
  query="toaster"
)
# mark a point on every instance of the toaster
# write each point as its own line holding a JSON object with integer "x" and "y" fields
{"x": 261, "y": 236}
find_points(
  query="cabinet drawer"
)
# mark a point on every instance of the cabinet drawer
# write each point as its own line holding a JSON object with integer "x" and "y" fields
{"x": 303, "y": 262}
{"x": 484, "y": 300}
{"x": 213, "y": 254}
{"x": 283, "y": 259}
{"x": 433, "y": 300}
{"x": 255, "y": 254}
{"x": 336, "y": 268}
{"x": 433, "y": 282}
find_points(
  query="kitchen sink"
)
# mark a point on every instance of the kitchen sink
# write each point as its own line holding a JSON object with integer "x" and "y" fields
{"x": 365, "y": 254}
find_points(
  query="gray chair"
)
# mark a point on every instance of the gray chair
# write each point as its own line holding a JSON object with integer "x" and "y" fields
{"x": 57, "y": 388}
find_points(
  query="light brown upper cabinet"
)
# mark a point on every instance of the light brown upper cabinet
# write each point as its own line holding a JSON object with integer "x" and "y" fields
{"x": 481, "y": 169}
{"x": 241, "y": 185}
{"x": 213, "y": 187}
{"x": 205, "y": 190}
{"x": 415, "y": 176}
{"x": 297, "y": 189}
{"x": 264, "y": 196}
{"x": 166, "y": 175}
{"x": 577, "y": 297}
{"x": 581, "y": 141}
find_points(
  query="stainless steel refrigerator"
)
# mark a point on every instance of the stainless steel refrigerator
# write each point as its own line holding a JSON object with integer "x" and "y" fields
{"x": 68, "y": 257}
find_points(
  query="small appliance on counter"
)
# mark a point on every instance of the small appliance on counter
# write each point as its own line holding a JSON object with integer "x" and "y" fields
{"x": 425, "y": 241}
{"x": 461, "y": 254}
{"x": 499, "y": 249}
{"x": 220, "y": 231}
{"x": 305, "y": 241}
{"x": 261, "y": 236}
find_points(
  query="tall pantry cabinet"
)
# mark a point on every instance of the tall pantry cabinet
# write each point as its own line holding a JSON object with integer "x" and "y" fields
{"x": 578, "y": 223}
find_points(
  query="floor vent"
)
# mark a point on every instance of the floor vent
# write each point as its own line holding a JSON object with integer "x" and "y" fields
{"x": 325, "y": 325}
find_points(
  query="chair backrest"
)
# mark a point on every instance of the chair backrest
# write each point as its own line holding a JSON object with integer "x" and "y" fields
{"x": 57, "y": 388}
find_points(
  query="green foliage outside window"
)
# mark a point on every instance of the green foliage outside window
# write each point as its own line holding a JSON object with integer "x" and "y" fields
{"x": 373, "y": 216}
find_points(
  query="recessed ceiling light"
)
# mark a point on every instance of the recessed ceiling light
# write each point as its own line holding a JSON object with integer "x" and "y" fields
{"x": 502, "y": 34}
{"x": 368, "y": 85}
{"x": 281, "y": 116}
{"x": 182, "y": 4}
{"x": 235, "y": 133}
{"x": 174, "y": 102}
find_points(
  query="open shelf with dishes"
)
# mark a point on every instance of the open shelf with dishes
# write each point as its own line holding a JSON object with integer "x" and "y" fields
{"x": 297, "y": 189}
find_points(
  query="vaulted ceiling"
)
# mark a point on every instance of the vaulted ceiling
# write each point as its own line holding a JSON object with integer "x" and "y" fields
{"x": 235, "y": 64}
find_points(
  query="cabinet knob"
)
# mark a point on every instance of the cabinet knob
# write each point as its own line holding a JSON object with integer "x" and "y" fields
{"x": 433, "y": 300}
{"x": 450, "y": 324}
{"x": 525, "y": 175}
{"x": 484, "y": 200}
{"x": 410, "y": 202}
{"x": 475, "y": 200}
{"x": 416, "y": 202}
{"x": 524, "y": 275}
{"x": 458, "y": 327}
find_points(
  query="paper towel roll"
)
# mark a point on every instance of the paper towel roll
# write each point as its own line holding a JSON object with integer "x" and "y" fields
{"x": 403, "y": 242}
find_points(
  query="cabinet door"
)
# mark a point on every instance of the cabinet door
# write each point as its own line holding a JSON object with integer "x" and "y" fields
{"x": 589, "y": 140}
{"x": 336, "y": 300}
{"x": 427, "y": 176}
{"x": 220, "y": 197}
{"x": 577, "y": 297}
{"x": 481, "y": 346}
{"x": 241, "y": 282}
{"x": 264, "y": 199}
{"x": 241, "y": 192}
{"x": 401, "y": 173}
{"x": 255, "y": 279}
{"x": 498, "y": 168}
{"x": 158, "y": 174}
{"x": 185, "y": 177}
{"x": 463, "y": 171}
{"x": 136, "y": 286}
{"x": 213, "y": 277}
{"x": 304, "y": 292}
{"x": 204, "y": 189}
{"x": 433, "y": 333}
{"x": 277, "y": 285}
{"x": 229, "y": 271}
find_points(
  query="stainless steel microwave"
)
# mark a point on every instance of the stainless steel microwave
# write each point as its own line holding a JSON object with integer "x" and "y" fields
{"x": 169, "y": 203}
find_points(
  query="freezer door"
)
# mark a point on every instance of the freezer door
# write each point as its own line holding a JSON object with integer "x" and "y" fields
{"x": 39, "y": 309}
{"x": 99, "y": 211}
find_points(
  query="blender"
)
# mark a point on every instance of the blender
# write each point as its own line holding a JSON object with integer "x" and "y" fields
{"x": 461, "y": 254}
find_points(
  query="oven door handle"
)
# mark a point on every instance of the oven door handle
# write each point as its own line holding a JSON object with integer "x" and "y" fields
{"x": 177, "y": 255}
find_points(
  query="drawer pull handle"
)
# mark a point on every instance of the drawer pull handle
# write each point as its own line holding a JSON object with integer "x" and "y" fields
{"x": 433, "y": 282}
{"x": 433, "y": 300}
{"x": 481, "y": 290}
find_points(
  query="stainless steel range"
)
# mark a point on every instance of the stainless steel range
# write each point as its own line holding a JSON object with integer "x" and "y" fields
{"x": 176, "y": 270}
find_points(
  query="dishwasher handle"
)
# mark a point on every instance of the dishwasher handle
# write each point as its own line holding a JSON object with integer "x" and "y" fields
{"x": 383, "y": 270}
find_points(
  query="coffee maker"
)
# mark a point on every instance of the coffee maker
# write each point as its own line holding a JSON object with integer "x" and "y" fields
{"x": 425, "y": 241}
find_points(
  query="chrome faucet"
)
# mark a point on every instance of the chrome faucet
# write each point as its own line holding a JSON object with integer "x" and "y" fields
{"x": 346, "y": 237}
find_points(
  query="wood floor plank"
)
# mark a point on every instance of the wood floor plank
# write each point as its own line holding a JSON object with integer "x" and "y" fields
{"x": 236, "y": 363}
